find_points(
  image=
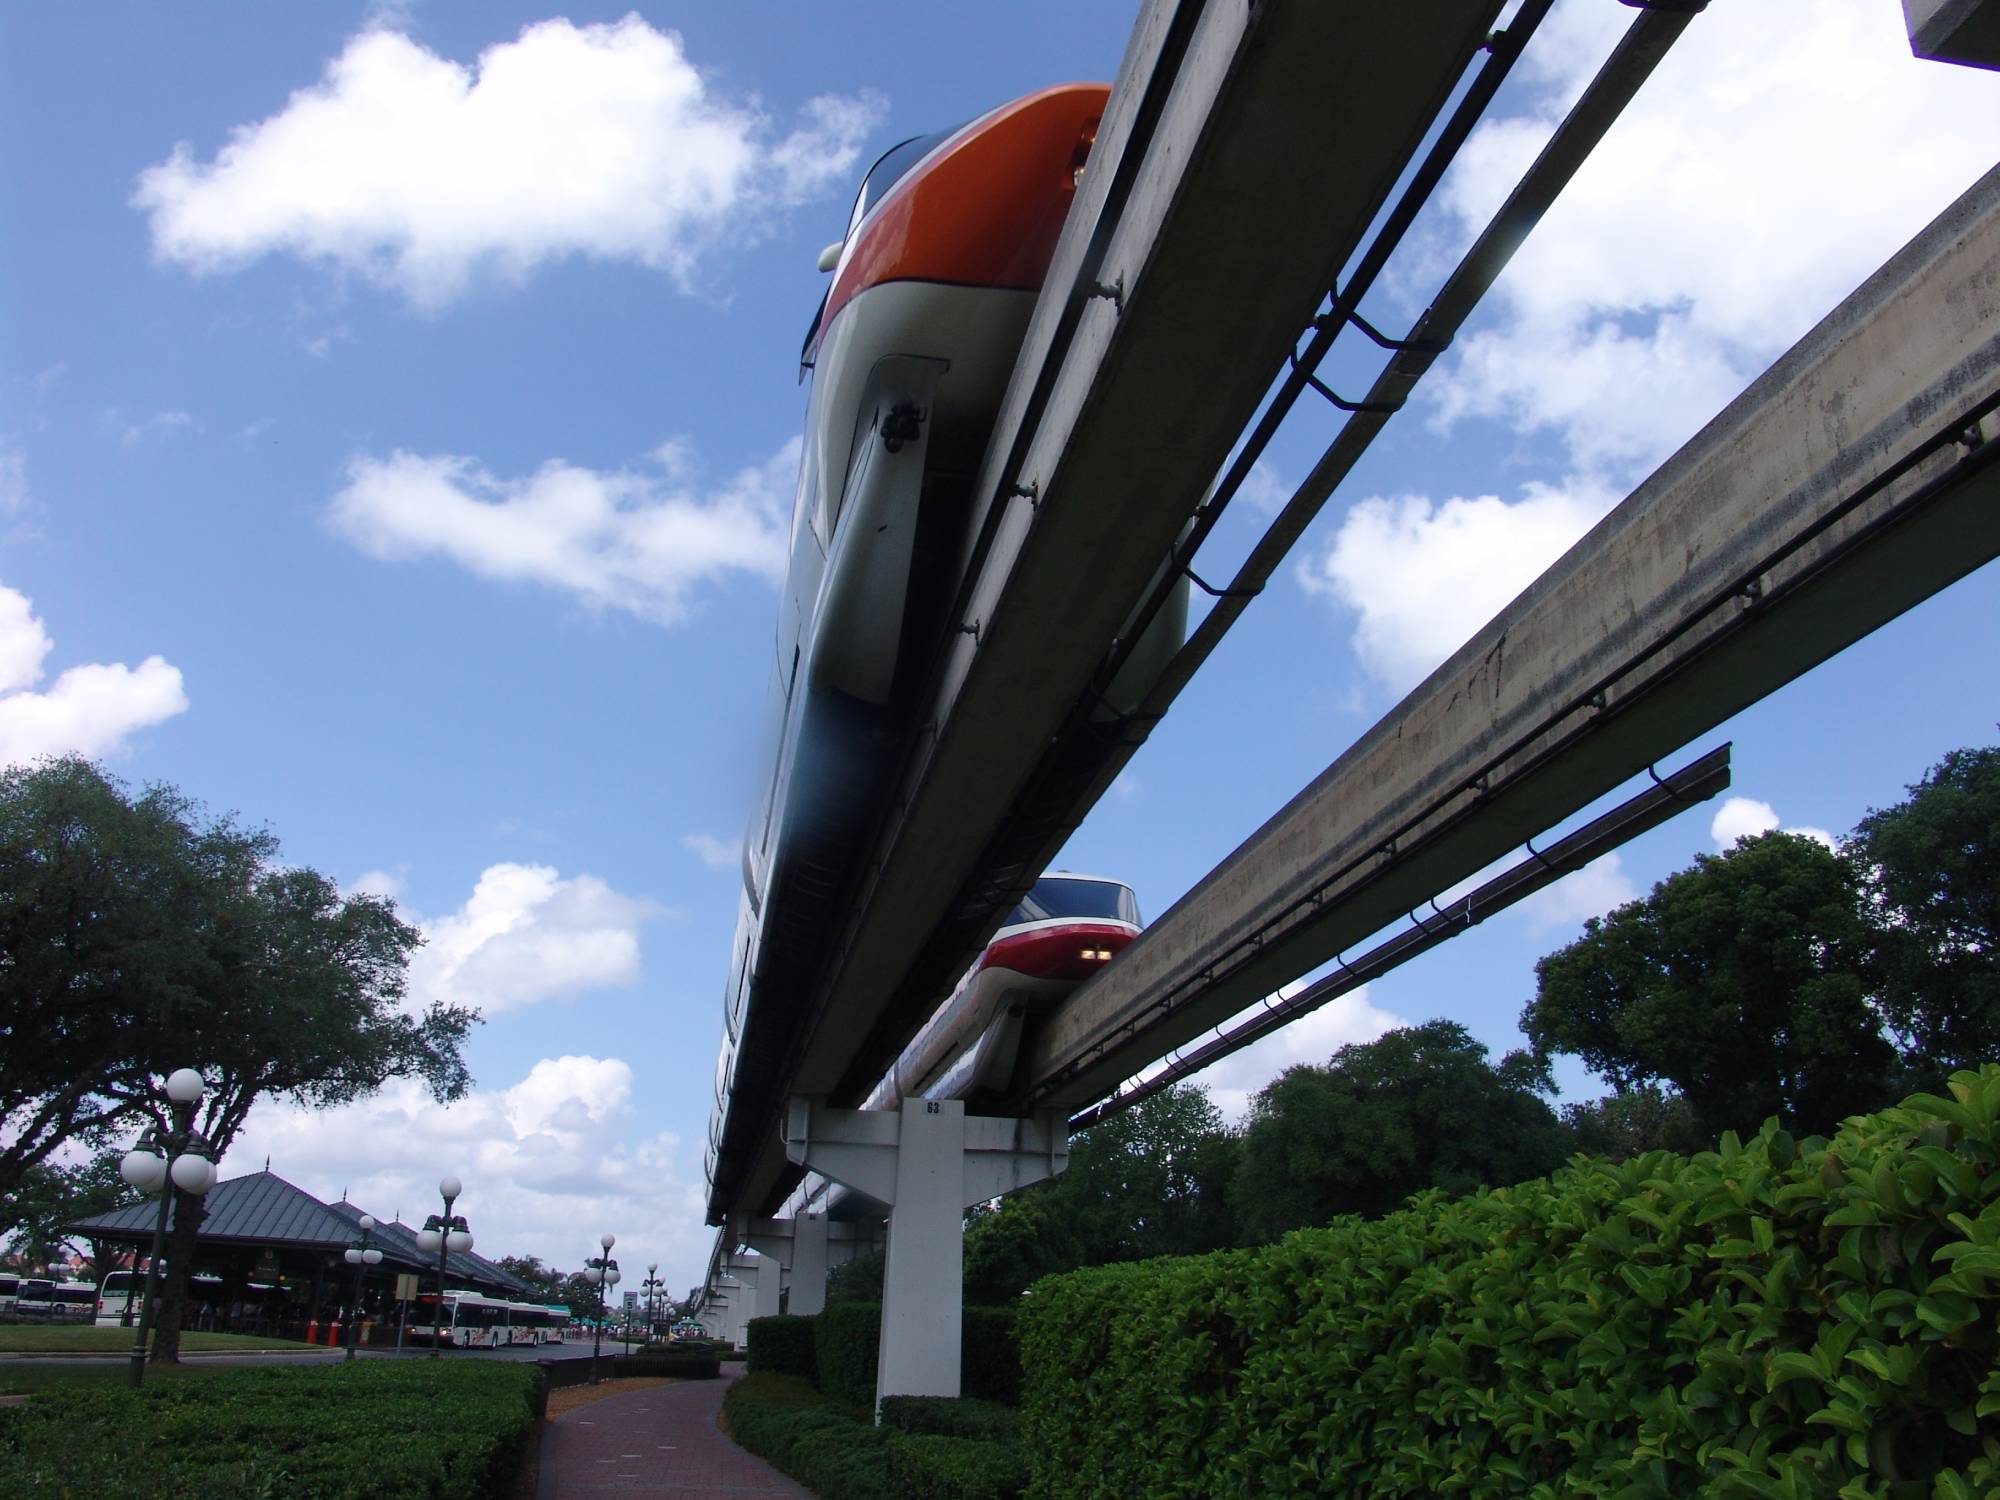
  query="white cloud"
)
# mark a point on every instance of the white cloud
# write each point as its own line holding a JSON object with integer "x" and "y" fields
{"x": 1313, "y": 1038}
{"x": 88, "y": 710}
{"x": 526, "y": 935}
{"x": 159, "y": 426}
{"x": 1590, "y": 892}
{"x": 548, "y": 1163}
{"x": 419, "y": 172}
{"x": 1740, "y": 818}
{"x": 1263, "y": 491}
{"x": 717, "y": 854}
{"x": 1422, "y": 577}
{"x": 641, "y": 542}
{"x": 1764, "y": 170}
{"x": 378, "y": 883}
{"x": 1746, "y": 817}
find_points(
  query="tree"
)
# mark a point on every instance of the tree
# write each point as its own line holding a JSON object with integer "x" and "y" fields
{"x": 47, "y": 1198}
{"x": 306, "y": 1006}
{"x": 1740, "y": 982}
{"x": 1418, "y": 1108}
{"x": 108, "y": 914}
{"x": 1929, "y": 869}
{"x": 1013, "y": 1246}
{"x": 1152, "y": 1180}
{"x": 549, "y": 1284}
{"x": 1645, "y": 1118}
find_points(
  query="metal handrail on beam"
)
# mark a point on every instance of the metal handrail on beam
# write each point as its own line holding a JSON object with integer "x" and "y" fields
{"x": 1853, "y": 479}
{"x": 1667, "y": 796}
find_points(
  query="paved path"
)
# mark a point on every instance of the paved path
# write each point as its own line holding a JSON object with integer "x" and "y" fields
{"x": 659, "y": 1441}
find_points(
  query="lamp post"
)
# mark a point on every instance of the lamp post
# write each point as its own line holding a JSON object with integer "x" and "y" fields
{"x": 601, "y": 1272}
{"x": 361, "y": 1253}
{"x": 159, "y": 1163}
{"x": 652, "y": 1296}
{"x": 444, "y": 1233}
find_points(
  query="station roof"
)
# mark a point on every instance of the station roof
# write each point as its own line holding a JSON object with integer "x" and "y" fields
{"x": 264, "y": 1209}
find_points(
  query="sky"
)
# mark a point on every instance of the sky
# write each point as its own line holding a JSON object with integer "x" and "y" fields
{"x": 398, "y": 423}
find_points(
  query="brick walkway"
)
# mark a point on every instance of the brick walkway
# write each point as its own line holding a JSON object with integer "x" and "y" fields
{"x": 658, "y": 1441}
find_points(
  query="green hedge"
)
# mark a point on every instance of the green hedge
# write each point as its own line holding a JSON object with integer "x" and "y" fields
{"x": 847, "y": 1336}
{"x": 1776, "y": 1320}
{"x": 836, "y": 1451}
{"x": 783, "y": 1346}
{"x": 942, "y": 1416}
{"x": 925, "y": 1467}
{"x": 455, "y": 1430}
{"x": 824, "y": 1446}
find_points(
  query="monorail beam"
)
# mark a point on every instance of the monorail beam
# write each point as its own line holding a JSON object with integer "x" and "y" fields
{"x": 1855, "y": 478}
{"x": 1246, "y": 149}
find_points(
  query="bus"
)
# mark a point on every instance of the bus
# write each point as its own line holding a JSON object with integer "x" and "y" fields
{"x": 61, "y": 1301}
{"x": 473, "y": 1321}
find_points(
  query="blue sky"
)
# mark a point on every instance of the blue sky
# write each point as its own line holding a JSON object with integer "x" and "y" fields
{"x": 396, "y": 410}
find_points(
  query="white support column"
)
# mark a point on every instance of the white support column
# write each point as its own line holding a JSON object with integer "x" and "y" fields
{"x": 809, "y": 1264}
{"x": 800, "y": 1246}
{"x": 929, "y": 1162}
{"x": 747, "y": 1271}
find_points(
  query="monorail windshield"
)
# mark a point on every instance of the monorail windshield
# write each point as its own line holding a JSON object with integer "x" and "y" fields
{"x": 1054, "y": 897}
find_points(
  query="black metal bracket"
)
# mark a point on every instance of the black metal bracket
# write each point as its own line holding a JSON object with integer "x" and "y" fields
{"x": 1186, "y": 570}
{"x": 1367, "y": 408}
{"x": 1113, "y": 292}
{"x": 1343, "y": 313}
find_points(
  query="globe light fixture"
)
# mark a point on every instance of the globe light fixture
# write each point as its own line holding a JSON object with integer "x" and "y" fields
{"x": 361, "y": 1253}
{"x": 173, "y": 1152}
{"x": 441, "y": 1235}
{"x": 601, "y": 1272}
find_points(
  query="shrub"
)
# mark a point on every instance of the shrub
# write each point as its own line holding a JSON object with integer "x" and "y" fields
{"x": 990, "y": 1356}
{"x": 940, "y": 1416}
{"x": 927, "y": 1467}
{"x": 1780, "y": 1319}
{"x": 848, "y": 1335}
{"x": 783, "y": 1346}
{"x": 453, "y": 1431}
{"x": 824, "y": 1446}
{"x": 845, "y": 1338}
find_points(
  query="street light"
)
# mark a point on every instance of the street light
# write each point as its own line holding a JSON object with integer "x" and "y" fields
{"x": 443, "y": 1233}
{"x": 653, "y": 1285}
{"x": 182, "y": 1155}
{"x": 602, "y": 1273}
{"x": 361, "y": 1253}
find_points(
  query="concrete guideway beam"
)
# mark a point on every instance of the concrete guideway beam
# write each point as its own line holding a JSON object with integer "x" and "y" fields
{"x": 1852, "y": 480}
{"x": 1956, "y": 31}
{"x": 928, "y": 1161}
{"x": 1134, "y": 383}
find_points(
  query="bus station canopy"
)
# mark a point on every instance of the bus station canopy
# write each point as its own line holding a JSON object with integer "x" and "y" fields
{"x": 262, "y": 1212}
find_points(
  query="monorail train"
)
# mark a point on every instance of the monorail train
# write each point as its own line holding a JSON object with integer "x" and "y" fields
{"x": 944, "y": 255}
{"x": 1064, "y": 931}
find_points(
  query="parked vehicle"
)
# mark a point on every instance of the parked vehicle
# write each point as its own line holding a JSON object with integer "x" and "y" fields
{"x": 59, "y": 1301}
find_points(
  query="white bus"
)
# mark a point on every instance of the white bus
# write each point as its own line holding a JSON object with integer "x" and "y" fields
{"x": 472, "y": 1321}
{"x": 60, "y": 1301}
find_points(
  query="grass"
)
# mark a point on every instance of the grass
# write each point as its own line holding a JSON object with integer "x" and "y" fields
{"x": 71, "y": 1339}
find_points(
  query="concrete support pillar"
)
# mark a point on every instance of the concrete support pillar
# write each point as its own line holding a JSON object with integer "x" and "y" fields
{"x": 809, "y": 1264}
{"x": 928, "y": 1161}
